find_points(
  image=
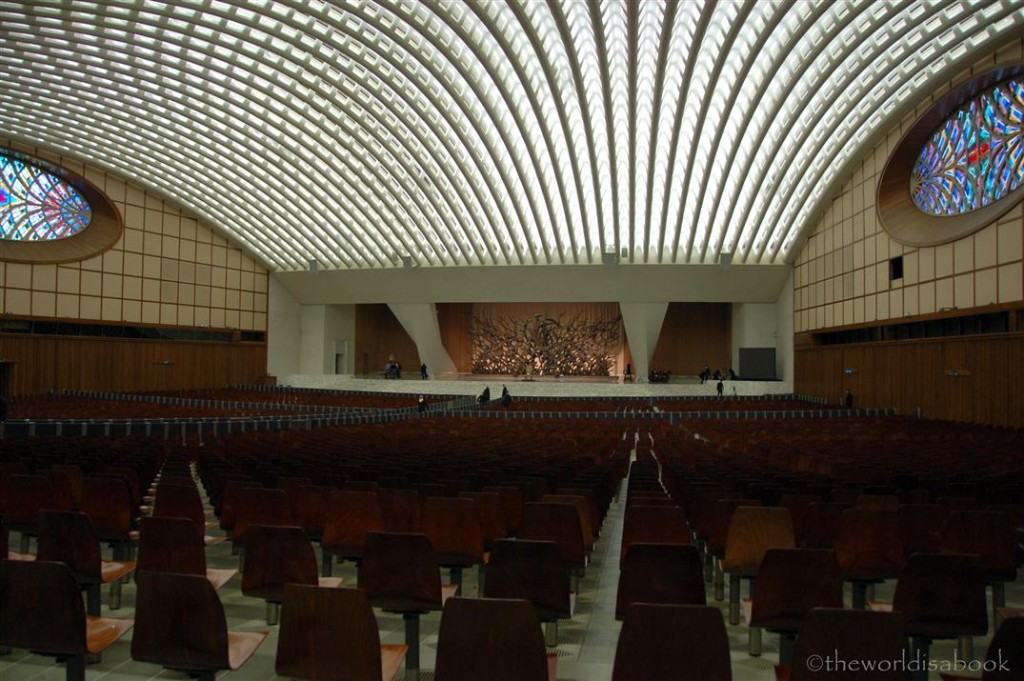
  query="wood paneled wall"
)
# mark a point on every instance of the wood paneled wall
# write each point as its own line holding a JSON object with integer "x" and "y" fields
{"x": 455, "y": 320}
{"x": 694, "y": 335}
{"x": 111, "y": 364}
{"x": 380, "y": 335}
{"x": 912, "y": 374}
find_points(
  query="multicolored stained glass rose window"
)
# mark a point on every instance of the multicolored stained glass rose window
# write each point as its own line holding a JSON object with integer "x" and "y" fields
{"x": 36, "y": 205}
{"x": 976, "y": 157}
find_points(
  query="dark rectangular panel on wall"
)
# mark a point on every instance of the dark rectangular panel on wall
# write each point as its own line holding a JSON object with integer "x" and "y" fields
{"x": 978, "y": 379}
{"x": 757, "y": 364}
{"x": 379, "y": 336}
{"x": 694, "y": 335}
{"x": 117, "y": 365}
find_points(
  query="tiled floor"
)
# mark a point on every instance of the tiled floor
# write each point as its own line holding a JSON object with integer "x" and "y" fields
{"x": 586, "y": 648}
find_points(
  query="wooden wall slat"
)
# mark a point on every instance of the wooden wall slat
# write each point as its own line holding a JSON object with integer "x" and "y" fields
{"x": 914, "y": 374}
{"x": 115, "y": 364}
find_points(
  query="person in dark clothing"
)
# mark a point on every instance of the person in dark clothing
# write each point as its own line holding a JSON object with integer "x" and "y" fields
{"x": 732, "y": 374}
{"x": 705, "y": 374}
{"x": 421, "y": 404}
{"x": 423, "y": 371}
{"x": 485, "y": 396}
{"x": 506, "y": 398}
{"x": 848, "y": 399}
{"x": 720, "y": 387}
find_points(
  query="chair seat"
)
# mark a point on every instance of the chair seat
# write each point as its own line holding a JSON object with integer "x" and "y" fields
{"x": 111, "y": 571}
{"x": 100, "y": 632}
{"x": 447, "y": 591}
{"x": 241, "y": 646}
{"x": 213, "y": 541}
{"x": 391, "y": 657}
{"x": 219, "y": 577}
{"x": 14, "y": 555}
{"x": 332, "y": 582}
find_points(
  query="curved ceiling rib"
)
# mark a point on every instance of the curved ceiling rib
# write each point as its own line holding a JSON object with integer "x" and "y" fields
{"x": 485, "y": 132}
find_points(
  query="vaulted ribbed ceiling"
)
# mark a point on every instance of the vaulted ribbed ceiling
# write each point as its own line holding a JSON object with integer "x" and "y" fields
{"x": 484, "y": 132}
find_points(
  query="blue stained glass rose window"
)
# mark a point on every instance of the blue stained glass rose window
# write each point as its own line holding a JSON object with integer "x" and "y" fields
{"x": 976, "y": 157}
{"x": 36, "y": 205}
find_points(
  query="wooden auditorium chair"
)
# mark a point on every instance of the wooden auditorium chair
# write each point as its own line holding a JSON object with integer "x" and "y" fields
{"x": 41, "y": 610}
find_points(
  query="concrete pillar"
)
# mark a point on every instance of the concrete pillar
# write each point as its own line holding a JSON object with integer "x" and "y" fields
{"x": 420, "y": 322}
{"x": 643, "y": 326}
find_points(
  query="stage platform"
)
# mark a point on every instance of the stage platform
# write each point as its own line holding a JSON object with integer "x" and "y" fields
{"x": 537, "y": 386}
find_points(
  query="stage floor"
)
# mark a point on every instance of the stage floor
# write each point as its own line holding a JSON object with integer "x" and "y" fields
{"x": 537, "y": 386}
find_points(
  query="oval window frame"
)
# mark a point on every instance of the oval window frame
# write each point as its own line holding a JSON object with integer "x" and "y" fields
{"x": 103, "y": 231}
{"x": 897, "y": 213}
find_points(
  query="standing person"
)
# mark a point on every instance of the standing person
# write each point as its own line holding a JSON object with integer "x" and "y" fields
{"x": 506, "y": 398}
{"x": 423, "y": 371}
{"x": 848, "y": 399}
{"x": 421, "y": 404}
{"x": 720, "y": 387}
{"x": 485, "y": 396}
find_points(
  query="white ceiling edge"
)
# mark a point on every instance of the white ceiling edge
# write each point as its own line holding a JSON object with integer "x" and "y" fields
{"x": 549, "y": 283}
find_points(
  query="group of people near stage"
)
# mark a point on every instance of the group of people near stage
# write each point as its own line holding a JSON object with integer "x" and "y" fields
{"x": 485, "y": 397}
{"x": 718, "y": 375}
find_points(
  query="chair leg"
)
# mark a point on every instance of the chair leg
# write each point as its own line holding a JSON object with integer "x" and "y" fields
{"x": 326, "y": 563}
{"x": 92, "y": 600}
{"x": 919, "y": 655}
{"x": 754, "y": 641}
{"x": 75, "y": 668}
{"x": 455, "y": 574}
{"x": 551, "y": 633}
{"x": 998, "y": 601}
{"x": 719, "y": 580}
{"x": 241, "y": 558}
{"x": 966, "y": 648}
{"x": 115, "y": 594}
{"x": 481, "y": 575}
{"x": 787, "y": 646}
{"x": 273, "y": 613}
{"x": 734, "y": 599}
{"x": 412, "y": 639}
{"x": 860, "y": 599}
{"x": 25, "y": 542}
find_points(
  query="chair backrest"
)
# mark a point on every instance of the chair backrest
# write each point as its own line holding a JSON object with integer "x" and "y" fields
{"x": 41, "y": 608}
{"x": 275, "y": 556}
{"x": 26, "y": 496}
{"x": 493, "y": 523}
{"x": 180, "y": 501}
{"x": 494, "y": 639}
{"x": 987, "y": 534}
{"x": 582, "y": 509}
{"x": 922, "y": 527}
{"x": 179, "y": 623}
{"x": 672, "y": 642}
{"x": 259, "y": 506}
{"x": 720, "y": 520}
{"x": 76, "y": 479}
{"x": 530, "y": 570}
{"x": 399, "y": 572}
{"x": 869, "y": 546}
{"x": 790, "y": 583}
{"x": 660, "y": 573}
{"x": 511, "y": 502}
{"x": 1005, "y": 656}
{"x": 170, "y": 545}
{"x": 309, "y": 507}
{"x": 847, "y": 635}
{"x": 653, "y": 525}
{"x": 327, "y": 634}
{"x": 107, "y": 500}
{"x": 752, "y": 531}
{"x": 942, "y": 596}
{"x": 68, "y": 537}
{"x": 821, "y": 526}
{"x": 453, "y": 526}
{"x": 559, "y": 523}
{"x": 352, "y": 516}
{"x": 402, "y": 509}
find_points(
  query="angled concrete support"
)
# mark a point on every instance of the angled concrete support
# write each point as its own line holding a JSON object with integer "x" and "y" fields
{"x": 420, "y": 322}
{"x": 643, "y": 326}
